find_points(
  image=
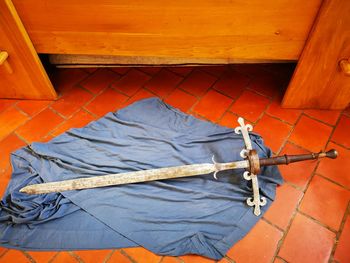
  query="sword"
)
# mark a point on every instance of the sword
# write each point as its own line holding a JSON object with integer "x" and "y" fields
{"x": 251, "y": 163}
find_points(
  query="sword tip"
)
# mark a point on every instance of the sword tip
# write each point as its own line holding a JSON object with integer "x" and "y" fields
{"x": 27, "y": 190}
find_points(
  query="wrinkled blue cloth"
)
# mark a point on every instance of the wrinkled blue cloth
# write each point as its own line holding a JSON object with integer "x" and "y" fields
{"x": 194, "y": 215}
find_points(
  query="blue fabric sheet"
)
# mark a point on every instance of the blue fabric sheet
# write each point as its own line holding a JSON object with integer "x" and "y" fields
{"x": 194, "y": 215}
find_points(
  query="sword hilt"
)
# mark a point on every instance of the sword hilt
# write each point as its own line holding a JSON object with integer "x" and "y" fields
{"x": 255, "y": 163}
{"x": 287, "y": 159}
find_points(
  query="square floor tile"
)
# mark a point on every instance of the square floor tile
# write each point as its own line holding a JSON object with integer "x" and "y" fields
{"x": 298, "y": 173}
{"x": 8, "y": 145}
{"x": 139, "y": 95}
{"x": 118, "y": 257}
{"x": 325, "y": 201}
{"x": 212, "y": 105}
{"x": 72, "y": 101}
{"x": 131, "y": 82}
{"x": 65, "y": 79}
{"x": 328, "y": 116}
{"x": 108, "y": 101}
{"x": 273, "y": 131}
{"x": 121, "y": 70}
{"x": 42, "y": 256}
{"x": 78, "y": 120}
{"x": 341, "y": 134}
{"x": 311, "y": 134}
{"x": 163, "y": 83}
{"x": 284, "y": 206}
{"x": 343, "y": 247}
{"x": 336, "y": 169}
{"x": 14, "y": 256}
{"x": 32, "y": 107}
{"x": 230, "y": 120}
{"x": 267, "y": 84}
{"x": 307, "y": 242}
{"x": 259, "y": 245}
{"x": 100, "y": 80}
{"x": 183, "y": 71}
{"x": 198, "y": 82}
{"x": 288, "y": 115}
{"x": 150, "y": 70}
{"x": 39, "y": 126}
{"x": 11, "y": 119}
{"x": 232, "y": 83}
{"x": 5, "y": 104}
{"x": 181, "y": 100}
{"x": 250, "y": 105}
{"x": 216, "y": 70}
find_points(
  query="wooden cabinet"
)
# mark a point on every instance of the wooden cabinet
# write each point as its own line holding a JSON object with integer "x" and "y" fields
{"x": 197, "y": 31}
{"x": 21, "y": 72}
{"x": 322, "y": 77}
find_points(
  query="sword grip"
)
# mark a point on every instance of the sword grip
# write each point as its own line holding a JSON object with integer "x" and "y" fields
{"x": 287, "y": 159}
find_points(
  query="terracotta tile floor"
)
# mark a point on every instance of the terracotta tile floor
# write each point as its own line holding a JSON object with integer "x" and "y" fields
{"x": 309, "y": 221}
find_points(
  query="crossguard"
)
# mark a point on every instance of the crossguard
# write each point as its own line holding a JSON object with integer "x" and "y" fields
{"x": 244, "y": 129}
{"x": 254, "y": 166}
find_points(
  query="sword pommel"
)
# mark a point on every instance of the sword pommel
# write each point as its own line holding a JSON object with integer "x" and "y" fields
{"x": 331, "y": 154}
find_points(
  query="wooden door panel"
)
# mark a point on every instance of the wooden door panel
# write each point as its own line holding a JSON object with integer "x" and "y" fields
{"x": 22, "y": 75}
{"x": 318, "y": 81}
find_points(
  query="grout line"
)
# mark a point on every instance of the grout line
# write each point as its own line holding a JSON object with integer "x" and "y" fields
{"x": 122, "y": 92}
{"x": 272, "y": 224}
{"x": 295, "y": 212}
{"x": 147, "y": 73}
{"x": 317, "y": 221}
{"x": 22, "y": 138}
{"x": 183, "y": 76}
{"x": 297, "y": 187}
{"x": 322, "y": 121}
{"x": 75, "y": 256}
{"x": 23, "y": 112}
{"x": 4, "y": 252}
{"x": 127, "y": 255}
{"x": 340, "y": 232}
{"x": 108, "y": 256}
{"x": 285, "y": 233}
{"x": 282, "y": 259}
{"x": 88, "y": 75}
{"x": 209, "y": 72}
{"x": 334, "y": 182}
{"x": 340, "y": 145}
{"x": 199, "y": 98}
{"x": 58, "y": 113}
{"x": 279, "y": 119}
{"x": 259, "y": 93}
{"x": 228, "y": 259}
{"x": 18, "y": 137}
{"x": 52, "y": 259}
{"x": 286, "y": 139}
{"x": 28, "y": 257}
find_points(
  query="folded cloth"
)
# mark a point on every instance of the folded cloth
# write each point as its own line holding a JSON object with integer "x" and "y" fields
{"x": 193, "y": 215}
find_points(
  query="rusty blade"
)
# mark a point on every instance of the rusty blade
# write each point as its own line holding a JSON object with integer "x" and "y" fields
{"x": 132, "y": 177}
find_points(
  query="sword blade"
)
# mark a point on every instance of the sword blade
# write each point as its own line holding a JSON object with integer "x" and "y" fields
{"x": 132, "y": 177}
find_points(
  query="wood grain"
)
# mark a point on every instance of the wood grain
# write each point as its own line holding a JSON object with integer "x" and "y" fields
{"x": 206, "y": 29}
{"x": 318, "y": 81}
{"x": 27, "y": 77}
